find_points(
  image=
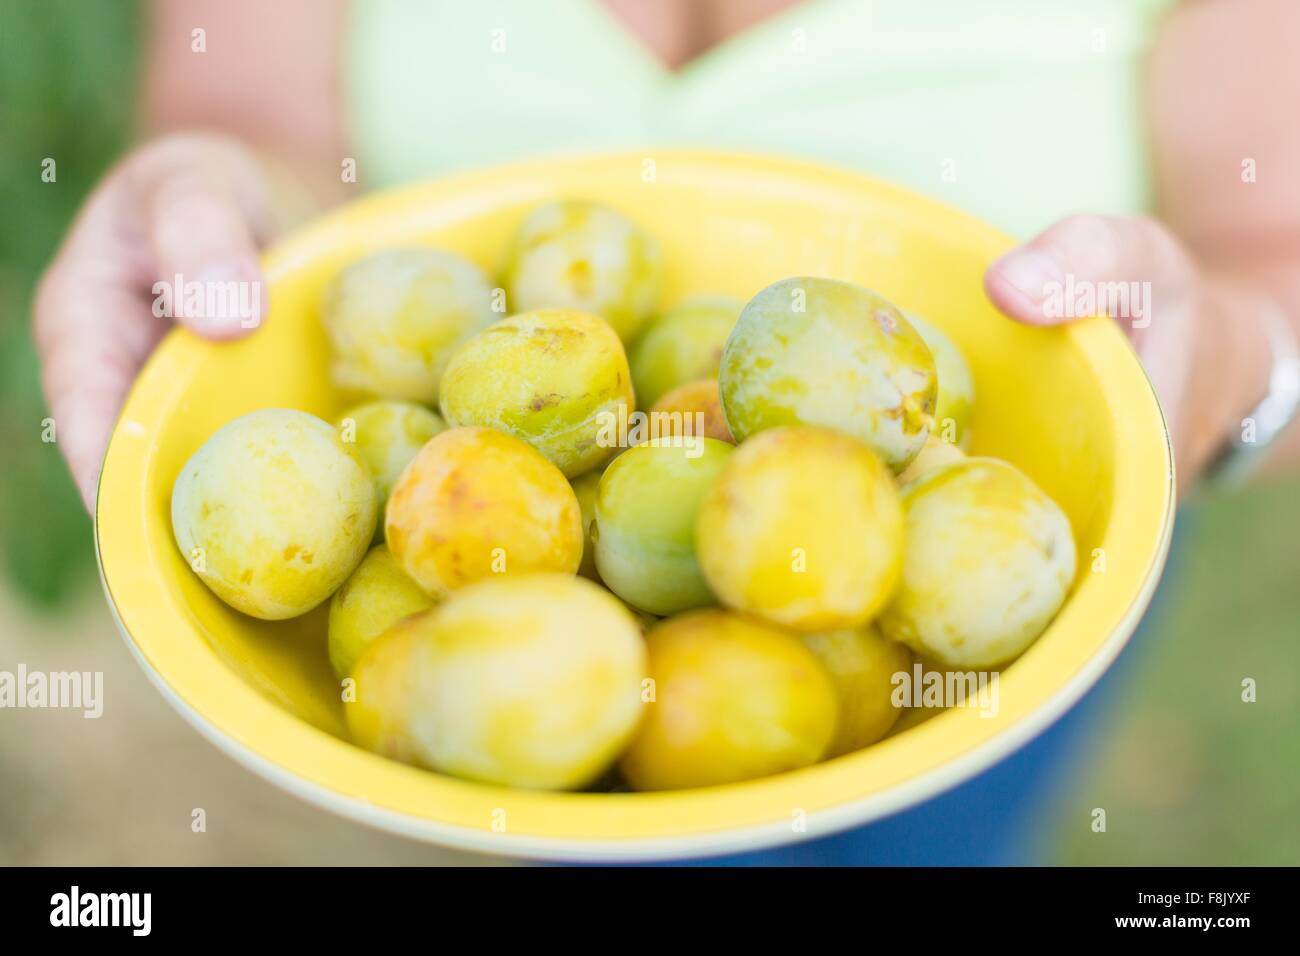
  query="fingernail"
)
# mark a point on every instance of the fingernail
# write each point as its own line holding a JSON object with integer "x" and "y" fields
{"x": 239, "y": 269}
{"x": 1031, "y": 271}
{"x": 233, "y": 296}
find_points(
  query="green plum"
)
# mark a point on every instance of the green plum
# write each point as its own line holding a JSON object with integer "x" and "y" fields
{"x": 377, "y": 595}
{"x": 644, "y": 528}
{"x": 524, "y": 682}
{"x": 988, "y": 561}
{"x": 550, "y": 377}
{"x": 821, "y": 352}
{"x": 803, "y": 528}
{"x": 388, "y": 434}
{"x": 394, "y": 319}
{"x": 735, "y": 699}
{"x": 861, "y": 665}
{"x": 682, "y": 345}
{"x": 274, "y": 512}
{"x": 580, "y": 255}
{"x": 585, "y": 489}
{"x": 476, "y": 503}
{"x": 692, "y": 409}
{"x": 934, "y": 454}
{"x": 956, "y": 399}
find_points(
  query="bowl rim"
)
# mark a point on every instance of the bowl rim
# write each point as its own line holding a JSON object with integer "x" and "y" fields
{"x": 317, "y": 767}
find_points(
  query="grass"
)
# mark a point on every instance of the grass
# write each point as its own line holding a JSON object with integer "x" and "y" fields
{"x": 1187, "y": 771}
{"x": 67, "y": 72}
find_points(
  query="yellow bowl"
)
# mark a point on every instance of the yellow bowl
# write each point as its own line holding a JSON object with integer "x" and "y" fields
{"x": 1070, "y": 406}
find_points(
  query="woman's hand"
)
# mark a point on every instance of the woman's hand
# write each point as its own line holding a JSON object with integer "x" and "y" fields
{"x": 1199, "y": 336}
{"x": 194, "y": 206}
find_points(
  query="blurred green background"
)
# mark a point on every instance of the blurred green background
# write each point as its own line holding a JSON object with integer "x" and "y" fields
{"x": 1186, "y": 771}
{"x": 67, "y": 82}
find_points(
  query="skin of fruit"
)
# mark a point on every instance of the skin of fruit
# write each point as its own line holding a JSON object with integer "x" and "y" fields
{"x": 734, "y": 699}
{"x": 913, "y": 717}
{"x": 274, "y": 512}
{"x": 379, "y": 715}
{"x": 989, "y": 560}
{"x": 548, "y": 377}
{"x": 580, "y": 255}
{"x": 645, "y": 516}
{"x": 530, "y": 682}
{"x": 585, "y": 488}
{"x": 934, "y": 454}
{"x": 803, "y": 527}
{"x": 377, "y": 595}
{"x": 956, "y": 399}
{"x": 477, "y": 503}
{"x": 644, "y": 619}
{"x": 686, "y": 401}
{"x": 861, "y": 664}
{"x": 394, "y": 319}
{"x": 822, "y": 352}
{"x": 387, "y": 434}
{"x": 682, "y": 345}
{"x": 922, "y": 701}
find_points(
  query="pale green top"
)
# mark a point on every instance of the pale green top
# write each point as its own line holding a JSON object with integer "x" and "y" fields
{"x": 1019, "y": 111}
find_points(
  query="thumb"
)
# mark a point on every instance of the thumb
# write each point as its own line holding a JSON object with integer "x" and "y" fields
{"x": 1128, "y": 267}
{"x": 202, "y": 217}
{"x": 1098, "y": 260}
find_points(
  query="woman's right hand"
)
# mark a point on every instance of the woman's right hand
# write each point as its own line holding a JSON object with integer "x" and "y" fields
{"x": 1199, "y": 335}
{"x": 196, "y": 206}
